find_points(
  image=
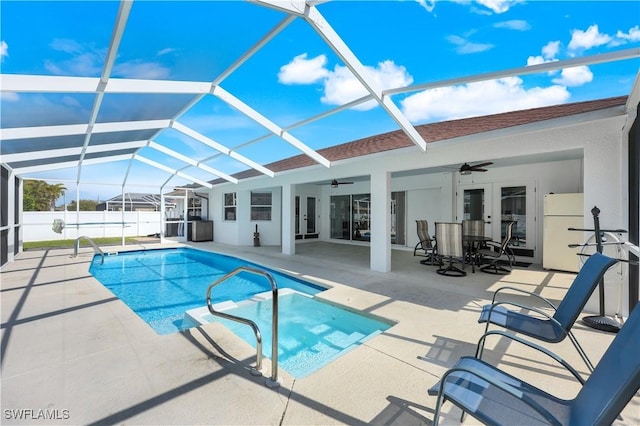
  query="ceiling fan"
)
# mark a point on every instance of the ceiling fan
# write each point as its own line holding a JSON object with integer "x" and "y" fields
{"x": 334, "y": 183}
{"x": 466, "y": 169}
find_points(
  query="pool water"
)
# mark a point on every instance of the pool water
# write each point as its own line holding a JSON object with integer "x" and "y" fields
{"x": 167, "y": 289}
{"x": 311, "y": 332}
{"x": 160, "y": 285}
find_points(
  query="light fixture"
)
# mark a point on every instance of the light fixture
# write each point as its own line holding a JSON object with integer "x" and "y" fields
{"x": 334, "y": 183}
{"x": 465, "y": 169}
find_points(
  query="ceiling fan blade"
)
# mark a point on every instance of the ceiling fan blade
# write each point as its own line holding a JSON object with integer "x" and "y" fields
{"x": 345, "y": 183}
{"x": 478, "y": 170}
{"x": 488, "y": 163}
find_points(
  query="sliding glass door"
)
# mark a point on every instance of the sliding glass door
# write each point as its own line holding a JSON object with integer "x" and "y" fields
{"x": 351, "y": 217}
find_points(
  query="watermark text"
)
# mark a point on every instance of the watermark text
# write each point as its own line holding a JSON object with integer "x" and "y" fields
{"x": 36, "y": 414}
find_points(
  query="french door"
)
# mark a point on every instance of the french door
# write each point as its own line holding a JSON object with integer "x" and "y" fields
{"x": 306, "y": 217}
{"x": 497, "y": 204}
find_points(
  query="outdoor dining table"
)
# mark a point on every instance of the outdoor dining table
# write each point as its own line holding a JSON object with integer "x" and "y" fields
{"x": 472, "y": 242}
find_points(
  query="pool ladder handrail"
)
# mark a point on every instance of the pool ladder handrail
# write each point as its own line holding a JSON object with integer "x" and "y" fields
{"x": 273, "y": 381}
{"x": 96, "y": 249}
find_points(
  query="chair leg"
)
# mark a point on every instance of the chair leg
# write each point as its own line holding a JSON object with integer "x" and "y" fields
{"x": 494, "y": 268}
{"x": 451, "y": 270}
{"x": 581, "y": 351}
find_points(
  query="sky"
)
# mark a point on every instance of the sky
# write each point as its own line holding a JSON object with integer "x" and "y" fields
{"x": 297, "y": 75}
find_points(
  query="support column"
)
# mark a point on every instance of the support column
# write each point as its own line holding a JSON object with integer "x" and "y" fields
{"x": 288, "y": 219}
{"x": 380, "y": 254}
{"x": 11, "y": 218}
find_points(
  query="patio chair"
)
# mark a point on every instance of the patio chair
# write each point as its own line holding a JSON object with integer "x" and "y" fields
{"x": 449, "y": 248}
{"x": 426, "y": 243}
{"x": 550, "y": 329}
{"x": 495, "y": 397}
{"x": 496, "y": 253}
{"x": 473, "y": 228}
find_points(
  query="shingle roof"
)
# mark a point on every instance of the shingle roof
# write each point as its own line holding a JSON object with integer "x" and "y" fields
{"x": 435, "y": 132}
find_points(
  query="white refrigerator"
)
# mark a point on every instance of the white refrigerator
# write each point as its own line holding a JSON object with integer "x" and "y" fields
{"x": 562, "y": 211}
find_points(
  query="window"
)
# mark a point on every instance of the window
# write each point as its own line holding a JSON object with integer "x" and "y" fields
{"x": 260, "y": 206}
{"x": 230, "y": 206}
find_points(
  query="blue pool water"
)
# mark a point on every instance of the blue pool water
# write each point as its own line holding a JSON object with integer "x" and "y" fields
{"x": 160, "y": 285}
{"x": 311, "y": 333}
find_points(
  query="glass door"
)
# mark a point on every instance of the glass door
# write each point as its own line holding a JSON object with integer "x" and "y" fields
{"x": 499, "y": 203}
{"x": 361, "y": 217}
{"x": 517, "y": 205}
{"x": 340, "y": 217}
{"x": 475, "y": 203}
{"x": 306, "y": 213}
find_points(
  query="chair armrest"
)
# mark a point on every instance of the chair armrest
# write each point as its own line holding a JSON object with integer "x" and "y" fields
{"x": 505, "y": 387}
{"x": 524, "y": 292}
{"x": 531, "y": 308}
{"x": 532, "y": 345}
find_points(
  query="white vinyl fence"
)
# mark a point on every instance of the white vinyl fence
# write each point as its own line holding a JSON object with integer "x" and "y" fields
{"x": 37, "y": 226}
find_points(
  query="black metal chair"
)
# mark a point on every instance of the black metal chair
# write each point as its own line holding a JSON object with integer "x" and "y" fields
{"x": 495, "y": 253}
{"x": 449, "y": 248}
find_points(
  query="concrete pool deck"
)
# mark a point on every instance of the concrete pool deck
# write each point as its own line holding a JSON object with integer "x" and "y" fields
{"x": 72, "y": 353}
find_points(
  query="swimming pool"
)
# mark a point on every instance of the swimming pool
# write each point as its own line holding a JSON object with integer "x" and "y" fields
{"x": 167, "y": 289}
{"x": 161, "y": 285}
{"x": 311, "y": 332}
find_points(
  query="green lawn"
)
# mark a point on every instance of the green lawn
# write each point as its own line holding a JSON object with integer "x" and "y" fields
{"x": 114, "y": 241}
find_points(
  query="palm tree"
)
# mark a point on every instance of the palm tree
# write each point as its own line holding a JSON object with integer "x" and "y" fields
{"x": 55, "y": 191}
{"x": 41, "y": 196}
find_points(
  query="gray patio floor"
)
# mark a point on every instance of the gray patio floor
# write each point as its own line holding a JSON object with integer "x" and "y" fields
{"x": 72, "y": 350}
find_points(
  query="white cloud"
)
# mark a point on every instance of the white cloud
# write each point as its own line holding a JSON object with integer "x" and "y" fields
{"x": 514, "y": 24}
{"x": 583, "y": 40}
{"x": 86, "y": 60}
{"x": 427, "y": 4}
{"x": 4, "y": 49}
{"x": 166, "y": 51}
{"x": 576, "y": 76}
{"x": 477, "y": 99}
{"x": 9, "y": 97}
{"x": 631, "y": 36}
{"x": 497, "y": 6}
{"x": 535, "y": 60}
{"x": 549, "y": 53}
{"x": 342, "y": 87}
{"x": 66, "y": 45}
{"x": 550, "y": 50}
{"x": 85, "y": 64}
{"x": 140, "y": 69}
{"x": 464, "y": 46}
{"x": 303, "y": 71}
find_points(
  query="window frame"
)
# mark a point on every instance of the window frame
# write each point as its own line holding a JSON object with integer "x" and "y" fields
{"x": 229, "y": 208}
{"x": 258, "y": 210}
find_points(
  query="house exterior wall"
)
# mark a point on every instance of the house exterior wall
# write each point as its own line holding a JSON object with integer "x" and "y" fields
{"x": 590, "y": 160}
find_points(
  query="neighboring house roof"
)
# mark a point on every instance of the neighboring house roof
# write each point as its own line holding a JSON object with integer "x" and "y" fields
{"x": 435, "y": 132}
{"x": 138, "y": 198}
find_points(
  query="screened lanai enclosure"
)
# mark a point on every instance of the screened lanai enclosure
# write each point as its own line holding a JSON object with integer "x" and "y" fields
{"x": 137, "y": 97}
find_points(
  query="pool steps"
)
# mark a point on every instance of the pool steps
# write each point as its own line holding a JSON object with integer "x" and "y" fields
{"x": 202, "y": 315}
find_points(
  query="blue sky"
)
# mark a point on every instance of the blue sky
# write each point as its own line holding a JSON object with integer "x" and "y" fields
{"x": 297, "y": 75}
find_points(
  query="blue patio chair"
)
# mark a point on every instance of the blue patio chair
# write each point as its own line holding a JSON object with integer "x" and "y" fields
{"x": 495, "y": 397}
{"x": 550, "y": 329}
